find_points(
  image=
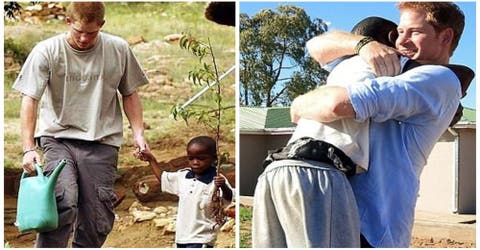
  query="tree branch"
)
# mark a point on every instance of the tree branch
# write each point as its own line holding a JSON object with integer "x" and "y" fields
{"x": 283, "y": 79}
{"x": 277, "y": 95}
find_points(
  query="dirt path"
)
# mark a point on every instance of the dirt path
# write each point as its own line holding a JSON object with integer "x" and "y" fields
{"x": 417, "y": 242}
{"x": 146, "y": 235}
{"x": 137, "y": 235}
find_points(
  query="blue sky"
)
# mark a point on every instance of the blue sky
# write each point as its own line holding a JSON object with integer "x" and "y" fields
{"x": 344, "y": 15}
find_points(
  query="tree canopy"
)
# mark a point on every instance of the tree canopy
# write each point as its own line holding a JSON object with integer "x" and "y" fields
{"x": 274, "y": 64}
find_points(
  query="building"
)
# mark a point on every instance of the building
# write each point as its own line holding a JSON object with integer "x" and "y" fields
{"x": 447, "y": 183}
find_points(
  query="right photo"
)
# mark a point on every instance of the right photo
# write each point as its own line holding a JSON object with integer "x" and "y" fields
{"x": 357, "y": 124}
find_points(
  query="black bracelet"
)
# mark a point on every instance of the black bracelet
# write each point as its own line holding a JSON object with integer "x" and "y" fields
{"x": 30, "y": 150}
{"x": 362, "y": 43}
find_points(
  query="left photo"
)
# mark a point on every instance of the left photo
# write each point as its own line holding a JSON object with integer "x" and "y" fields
{"x": 119, "y": 124}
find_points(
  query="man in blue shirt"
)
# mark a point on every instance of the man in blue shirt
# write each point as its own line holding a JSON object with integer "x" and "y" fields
{"x": 408, "y": 113}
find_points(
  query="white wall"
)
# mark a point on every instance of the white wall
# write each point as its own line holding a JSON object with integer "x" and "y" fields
{"x": 437, "y": 180}
{"x": 253, "y": 150}
{"x": 448, "y": 184}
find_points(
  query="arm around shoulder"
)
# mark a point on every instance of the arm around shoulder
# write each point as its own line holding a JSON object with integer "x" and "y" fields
{"x": 332, "y": 45}
{"x": 324, "y": 104}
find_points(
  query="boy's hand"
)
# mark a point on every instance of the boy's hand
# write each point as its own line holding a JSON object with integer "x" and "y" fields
{"x": 382, "y": 59}
{"x": 219, "y": 181}
{"x": 143, "y": 155}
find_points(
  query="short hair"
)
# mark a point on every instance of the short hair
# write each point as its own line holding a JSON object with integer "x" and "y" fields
{"x": 86, "y": 12}
{"x": 221, "y": 12}
{"x": 209, "y": 143}
{"x": 382, "y": 30}
{"x": 440, "y": 15}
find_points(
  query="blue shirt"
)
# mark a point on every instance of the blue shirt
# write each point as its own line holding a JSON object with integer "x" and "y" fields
{"x": 408, "y": 114}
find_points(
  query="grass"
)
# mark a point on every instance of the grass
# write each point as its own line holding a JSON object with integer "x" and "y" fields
{"x": 153, "y": 21}
{"x": 12, "y": 110}
{"x": 245, "y": 227}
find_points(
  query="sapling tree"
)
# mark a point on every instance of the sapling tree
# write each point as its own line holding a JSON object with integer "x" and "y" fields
{"x": 206, "y": 73}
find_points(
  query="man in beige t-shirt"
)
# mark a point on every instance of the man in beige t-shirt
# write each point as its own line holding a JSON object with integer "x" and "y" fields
{"x": 76, "y": 76}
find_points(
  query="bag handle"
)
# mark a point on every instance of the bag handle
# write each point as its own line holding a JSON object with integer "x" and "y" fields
{"x": 38, "y": 167}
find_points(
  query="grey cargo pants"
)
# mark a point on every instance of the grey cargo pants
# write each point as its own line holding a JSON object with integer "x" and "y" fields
{"x": 84, "y": 191}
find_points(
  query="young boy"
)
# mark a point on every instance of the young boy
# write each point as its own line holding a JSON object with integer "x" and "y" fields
{"x": 195, "y": 186}
{"x": 302, "y": 199}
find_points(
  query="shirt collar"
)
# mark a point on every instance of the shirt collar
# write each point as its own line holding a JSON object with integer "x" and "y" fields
{"x": 205, "y": 177}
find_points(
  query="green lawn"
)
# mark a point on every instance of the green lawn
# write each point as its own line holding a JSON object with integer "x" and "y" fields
{"x": 245, "y": 227}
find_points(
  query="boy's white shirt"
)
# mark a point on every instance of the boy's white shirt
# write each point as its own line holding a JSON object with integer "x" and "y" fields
{"x": 346, "y": 134}
{"x": 194, "y": 217}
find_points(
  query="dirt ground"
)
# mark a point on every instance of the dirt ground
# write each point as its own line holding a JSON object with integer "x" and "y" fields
{"x": 440, "y": 243}
{"x": 245, "y": 239}
{"x": 139, "y": 235}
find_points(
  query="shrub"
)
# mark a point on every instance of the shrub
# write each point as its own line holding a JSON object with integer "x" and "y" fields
{"x": 17, "y": 50}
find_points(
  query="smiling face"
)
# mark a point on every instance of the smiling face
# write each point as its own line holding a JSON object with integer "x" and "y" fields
{"x": 82, "y": 36}
{"x": 199, "y": 157}
{"x": 418, "y": 40}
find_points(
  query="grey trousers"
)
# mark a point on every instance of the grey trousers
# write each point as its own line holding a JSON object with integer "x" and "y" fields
{"x": 304, "y": 204}
{"x": 84, "y": 192}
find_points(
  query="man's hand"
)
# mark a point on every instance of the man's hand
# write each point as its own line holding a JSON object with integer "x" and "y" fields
{"x": 141, "y": 143}
{"x": 29, "y": 160}
{"x": 382, "y": 59}
{"x": 133, "y": 109}
{"x": 141, "y": 149}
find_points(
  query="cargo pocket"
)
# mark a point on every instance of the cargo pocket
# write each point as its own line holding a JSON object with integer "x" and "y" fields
{"x": 104, "y": 209}
{"x": 59, "y": 193}
{"x": 67, "y": 200}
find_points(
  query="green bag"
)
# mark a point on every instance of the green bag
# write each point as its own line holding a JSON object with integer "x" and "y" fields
{"x": 36, "y": 204}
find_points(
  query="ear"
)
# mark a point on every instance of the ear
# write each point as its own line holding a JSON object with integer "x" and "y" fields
{"x": 103, "y": 22}
{"x": 446, "y": 36}
{"x": 68, "y": 20}
{"x": 392, "y": 37}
